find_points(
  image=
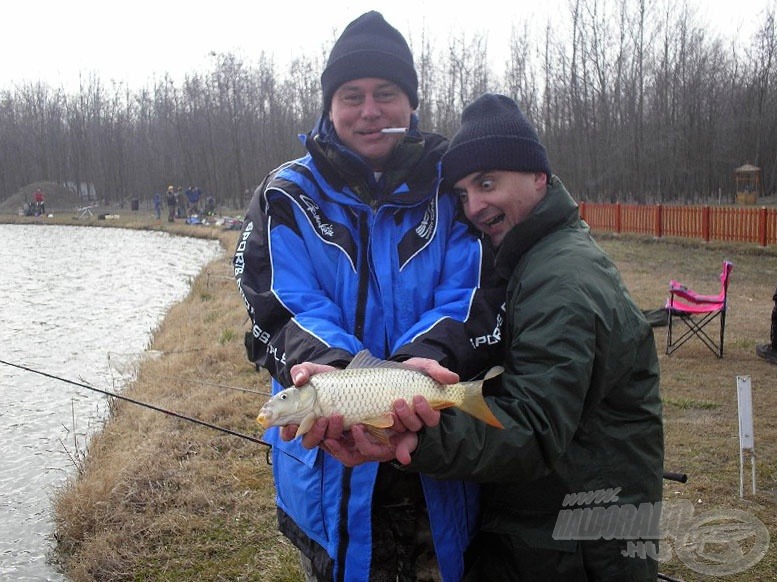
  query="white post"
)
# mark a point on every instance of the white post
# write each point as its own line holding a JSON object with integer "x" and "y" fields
{"x": 746, "y": 436}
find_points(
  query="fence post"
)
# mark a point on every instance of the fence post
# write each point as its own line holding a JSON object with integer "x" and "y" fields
{"x": 705, "y": 223}
{"x": 618, "y": 217}
{"x": 658, "y": 221}
{"x": 762, "y": 226}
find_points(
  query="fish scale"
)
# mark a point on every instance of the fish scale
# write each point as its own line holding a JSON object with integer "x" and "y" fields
{"x": 377, "y": 390}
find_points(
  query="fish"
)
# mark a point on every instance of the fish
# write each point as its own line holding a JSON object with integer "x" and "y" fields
{"x": 364, "y": 393}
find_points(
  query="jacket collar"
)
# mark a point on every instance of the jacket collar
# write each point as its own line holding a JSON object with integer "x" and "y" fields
{"x": 414, "y": 161}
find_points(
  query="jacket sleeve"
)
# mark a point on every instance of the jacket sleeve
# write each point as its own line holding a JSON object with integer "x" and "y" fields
{"x": 292, "y": 318}
{"x": 539, "y": 398}
{"x": 463, "y": 331}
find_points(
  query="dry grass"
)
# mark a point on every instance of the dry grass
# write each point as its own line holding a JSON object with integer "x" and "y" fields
{"x": 699, "y": 391}
{"x": 163, "y": 499}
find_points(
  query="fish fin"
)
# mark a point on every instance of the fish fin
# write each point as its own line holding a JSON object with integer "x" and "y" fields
{"x": 474, "y": 403}
{"x": 305, "y": 425}
{"x": 441, "y": 404}
{"x": 364, "y": 359}
{"x": 384, "y": 421}
{"x": 378, "y": 432}
{"x": 493, "y": 373}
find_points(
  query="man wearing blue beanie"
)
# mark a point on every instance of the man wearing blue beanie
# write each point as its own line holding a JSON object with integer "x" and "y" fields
{"x": 573, "y": 482}
{"x": 352, "y": 247}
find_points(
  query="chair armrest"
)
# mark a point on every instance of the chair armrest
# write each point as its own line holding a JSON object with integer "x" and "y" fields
{"x": 689, "y": 295}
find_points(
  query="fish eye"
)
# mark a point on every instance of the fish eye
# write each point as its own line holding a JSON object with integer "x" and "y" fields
{"x": 284, "y": 396}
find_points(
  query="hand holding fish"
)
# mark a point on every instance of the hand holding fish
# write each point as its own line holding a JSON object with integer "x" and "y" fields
{"x": 332, "y": 429}
{"x": 358, "y": 446}
{"x": 415, "y": 417}
{"x": 364, "y": 393}
{"x": 433, "y": 369}
{"x": 301, "y": 374}
{"x": 325, "y": 428}
{"x": 361, "y": 446}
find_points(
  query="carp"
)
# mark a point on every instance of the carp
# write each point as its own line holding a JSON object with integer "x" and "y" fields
{"x": 364, "y": 393}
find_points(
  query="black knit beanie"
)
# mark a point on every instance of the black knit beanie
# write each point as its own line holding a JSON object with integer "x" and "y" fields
{"x": 370, "y": 47}
{"x": 494, "y": 135}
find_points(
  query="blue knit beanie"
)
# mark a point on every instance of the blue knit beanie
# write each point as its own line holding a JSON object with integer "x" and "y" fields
{"x": 370, "y": 47}
{"x": 494, "y": 135}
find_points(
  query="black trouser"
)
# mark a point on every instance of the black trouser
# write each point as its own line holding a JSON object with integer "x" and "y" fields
{"x": 402, "y": 545}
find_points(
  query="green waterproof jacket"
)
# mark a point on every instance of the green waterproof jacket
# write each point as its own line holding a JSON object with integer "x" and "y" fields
{"x": 579, "y": 397}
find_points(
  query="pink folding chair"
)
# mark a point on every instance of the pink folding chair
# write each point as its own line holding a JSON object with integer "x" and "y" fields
{"x": 697, "y": 311}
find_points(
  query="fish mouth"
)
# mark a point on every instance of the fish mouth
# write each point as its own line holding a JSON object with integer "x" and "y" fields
{"x": 263, "y": 419}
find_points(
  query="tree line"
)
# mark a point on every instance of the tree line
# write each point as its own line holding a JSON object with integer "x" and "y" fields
{"x": 635, "y": 101}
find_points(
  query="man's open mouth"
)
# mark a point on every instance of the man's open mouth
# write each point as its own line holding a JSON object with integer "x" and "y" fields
{"x": 494, "y": 221}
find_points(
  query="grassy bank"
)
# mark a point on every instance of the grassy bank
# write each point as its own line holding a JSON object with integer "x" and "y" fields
{"x": 158, "y": 498}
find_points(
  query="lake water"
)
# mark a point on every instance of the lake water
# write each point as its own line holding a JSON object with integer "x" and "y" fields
{"x": 78, "y": 303}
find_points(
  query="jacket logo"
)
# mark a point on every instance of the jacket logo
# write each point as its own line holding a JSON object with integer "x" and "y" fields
{"x": 492, "y": 338}
{"x": 426, "y": 227}
{"x": 313, "y": 209}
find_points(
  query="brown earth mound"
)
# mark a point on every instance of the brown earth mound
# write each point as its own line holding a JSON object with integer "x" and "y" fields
{"x": 58, "y": 198}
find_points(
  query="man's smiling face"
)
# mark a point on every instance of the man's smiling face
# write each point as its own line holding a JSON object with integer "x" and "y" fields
{"x": 497, "y": 200}
{"x": 362, "y": 108}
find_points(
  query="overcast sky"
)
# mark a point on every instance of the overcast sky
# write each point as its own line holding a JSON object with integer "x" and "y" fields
{"x": 55, "y": 41}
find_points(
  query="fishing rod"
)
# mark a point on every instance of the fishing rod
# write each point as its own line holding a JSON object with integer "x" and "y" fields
{"x": 139, "y": 403}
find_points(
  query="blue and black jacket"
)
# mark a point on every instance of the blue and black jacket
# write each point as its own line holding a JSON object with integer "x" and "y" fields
{"x": 332, "y": 261}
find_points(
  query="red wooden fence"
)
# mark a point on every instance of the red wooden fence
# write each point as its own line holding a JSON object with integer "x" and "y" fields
{"x": 724, "y": 223}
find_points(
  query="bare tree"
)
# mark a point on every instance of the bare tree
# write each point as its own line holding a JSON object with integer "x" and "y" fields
{"x": 634, "y": 100}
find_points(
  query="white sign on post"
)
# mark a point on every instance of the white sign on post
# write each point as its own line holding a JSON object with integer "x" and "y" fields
{"x": 746, "y": 436}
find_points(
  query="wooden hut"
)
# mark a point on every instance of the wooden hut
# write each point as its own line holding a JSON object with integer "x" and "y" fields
{"x": 749, "y": 184}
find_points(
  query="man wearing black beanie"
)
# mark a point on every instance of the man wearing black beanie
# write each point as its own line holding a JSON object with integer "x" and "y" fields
{"x": 371, "y": 60}
{"x": 370, "y": 47}
{"x": 352, "y": 247}
{"x": 579, "y": 397}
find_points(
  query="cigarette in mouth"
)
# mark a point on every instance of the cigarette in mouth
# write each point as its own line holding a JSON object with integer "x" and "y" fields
{"x": 394, "y": 130}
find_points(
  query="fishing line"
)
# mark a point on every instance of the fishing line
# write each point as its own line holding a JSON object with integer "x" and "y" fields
{"x": 139, "y": 403}
{"x": 140, "y": 355}
{"x": 216, "y": 384}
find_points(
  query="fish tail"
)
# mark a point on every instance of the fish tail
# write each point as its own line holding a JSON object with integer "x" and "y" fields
{"x": 473, "y": 402}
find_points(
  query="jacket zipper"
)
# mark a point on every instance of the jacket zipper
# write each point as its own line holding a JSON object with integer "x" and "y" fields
{"x": 361, "y": 310}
